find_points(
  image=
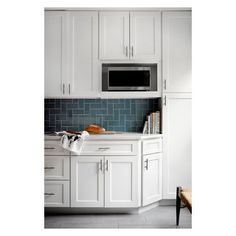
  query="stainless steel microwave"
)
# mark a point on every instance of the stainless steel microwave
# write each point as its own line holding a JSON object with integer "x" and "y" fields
{"x": 126, "y": 77}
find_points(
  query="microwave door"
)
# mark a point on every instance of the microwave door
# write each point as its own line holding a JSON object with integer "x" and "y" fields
{"x": 129, "y": 79}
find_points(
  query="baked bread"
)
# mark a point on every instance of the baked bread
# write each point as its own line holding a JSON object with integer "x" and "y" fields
{"x": 94, "y": 129}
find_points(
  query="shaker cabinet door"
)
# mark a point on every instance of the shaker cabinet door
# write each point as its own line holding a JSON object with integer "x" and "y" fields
{"x": 55, "y": 46}
{"x": 87, "y": 181}
{"x": 145, "y": 35}
{"x": 113, "y": 35}
{"x": 152, "y": 178}
{"x": 177, "y": 56}
{"x": 177, "y": 153}
{"x": 83, "y": 54}
{"x": 121, "y": 181}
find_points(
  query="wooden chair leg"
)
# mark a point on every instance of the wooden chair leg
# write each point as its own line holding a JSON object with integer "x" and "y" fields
{"x": 178, "y": 204}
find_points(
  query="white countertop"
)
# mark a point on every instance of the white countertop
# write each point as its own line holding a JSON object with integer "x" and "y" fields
{"x": 117, "y": 136}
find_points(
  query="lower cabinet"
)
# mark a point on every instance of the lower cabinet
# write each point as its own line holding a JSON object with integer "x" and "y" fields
{"x": 57, "y": 194}
{"x": 98, "y": 181}
{"x": 87, "y": 181}
{"x": 152, "y": 178}
{"x": 177, "y": 153}
{"x": 121, "y": 181}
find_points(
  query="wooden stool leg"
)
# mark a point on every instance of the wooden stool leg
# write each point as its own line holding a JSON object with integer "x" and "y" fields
{"x": 178, "y": 204}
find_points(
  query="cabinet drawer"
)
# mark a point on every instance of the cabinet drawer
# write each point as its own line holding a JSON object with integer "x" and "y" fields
{"x": 56, "y": 194}
{"x": 152, "y": 146}
{"x": 57, "y": 167}
{"x": 53, "y": 147}
{"x": 109, "y": 148}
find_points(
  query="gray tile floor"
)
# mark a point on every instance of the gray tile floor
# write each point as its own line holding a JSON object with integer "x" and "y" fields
{"x": 159, "y": 217}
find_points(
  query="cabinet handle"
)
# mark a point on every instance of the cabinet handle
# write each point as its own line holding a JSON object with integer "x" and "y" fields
{"x": 63, "y": 88}
{"x": 165, "y": 100}
{"x": 101, "y": 165}
{"x": 107, "y": 164}
{"x": 126, "y": 51}
{"x": 69, "y": 88}
{"x": 49, "y": 167}
{"x": 146, "y": 166}
{"x": 49, "y": 148}
{"x": 49, "y": 194}
{"x": 165, "y": 84}
{"x": 132, "y": 51}
{"x": 103, "y": 148}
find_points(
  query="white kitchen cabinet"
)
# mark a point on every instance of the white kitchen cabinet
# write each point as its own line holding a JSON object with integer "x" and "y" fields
{"x": 176, "y": 38}
{"x": 57, "y": 167}
{"x": 145, "y": 35}
{"x": 129, "y": 35}
{"x": 121, "y": 181}
{"x": 56, "y": 194}
{"x": 55, "y": 48}
{"x": 87, "y": 181}
{"x": 89, "y": 173}
{"x": 83, "y": 54}
{"x": 71, "y": 54}
{"x": 152, "y": 178}
{"x": 176, "y": 143}
{"x": 114, "y": 35}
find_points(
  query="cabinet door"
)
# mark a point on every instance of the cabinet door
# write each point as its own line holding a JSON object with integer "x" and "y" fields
{"x": 55, "y": 46}
{"x": 176, "y": 143}
{"x": 87, "y": 181}
{"x": 83, "y": 54}
{"x": 121, "y": 181}
{"x": 152, "y": 178}
{"x": 145, "y": 35}
{"x": 114, "y": 35}
{"x": 177, "y": 51}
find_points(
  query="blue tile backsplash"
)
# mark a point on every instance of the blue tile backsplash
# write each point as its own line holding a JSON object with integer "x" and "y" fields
{"x": 126, "y": 115}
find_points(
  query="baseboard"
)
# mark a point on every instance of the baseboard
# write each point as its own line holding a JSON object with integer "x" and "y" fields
{"x": 75, "y": 210}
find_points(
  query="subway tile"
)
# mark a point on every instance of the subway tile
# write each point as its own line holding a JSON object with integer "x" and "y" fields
{"x": 113, "y": 114}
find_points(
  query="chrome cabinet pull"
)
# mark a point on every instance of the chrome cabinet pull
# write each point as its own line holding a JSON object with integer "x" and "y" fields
{"x": 132, "y": 51}
{"x": 101, "y": 165}
{"x": 63, "y": 88}
{"x": 126, "y": 51}
{"x": 49, "y": 167}
{"x": 165, "y": 84}
{"x": 69, "y": 88}
{"x": 49, "y": 148}
{"x": 107, "y": 164}
{"x": 165, "y": 100}
{"x": 49, "y": 194}
{"x": 146, "y": 166}
{"x": 103, "y": 148}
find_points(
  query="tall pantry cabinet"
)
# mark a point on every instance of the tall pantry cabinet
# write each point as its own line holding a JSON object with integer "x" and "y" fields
{"x": 176, "y": 51}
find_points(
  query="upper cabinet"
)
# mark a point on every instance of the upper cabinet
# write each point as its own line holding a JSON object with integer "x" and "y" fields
{"x": 177, "y": 54}
{"x": 83, "y": 54}
{"x": 71, "y": 54}
{"x": 55, "y": 45}
{"x": 114, "y": 35}
{"x": 129, "y": 35}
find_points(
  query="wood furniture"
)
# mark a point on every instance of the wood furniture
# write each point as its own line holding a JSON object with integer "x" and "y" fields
{"x": 185, "y": 196}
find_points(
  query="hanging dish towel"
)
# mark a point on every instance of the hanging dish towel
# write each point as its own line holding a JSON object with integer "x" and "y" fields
{"x": 73, "y": 142}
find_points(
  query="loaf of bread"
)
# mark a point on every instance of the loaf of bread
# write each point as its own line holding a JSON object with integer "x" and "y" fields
{"x": 95, "y": 129}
